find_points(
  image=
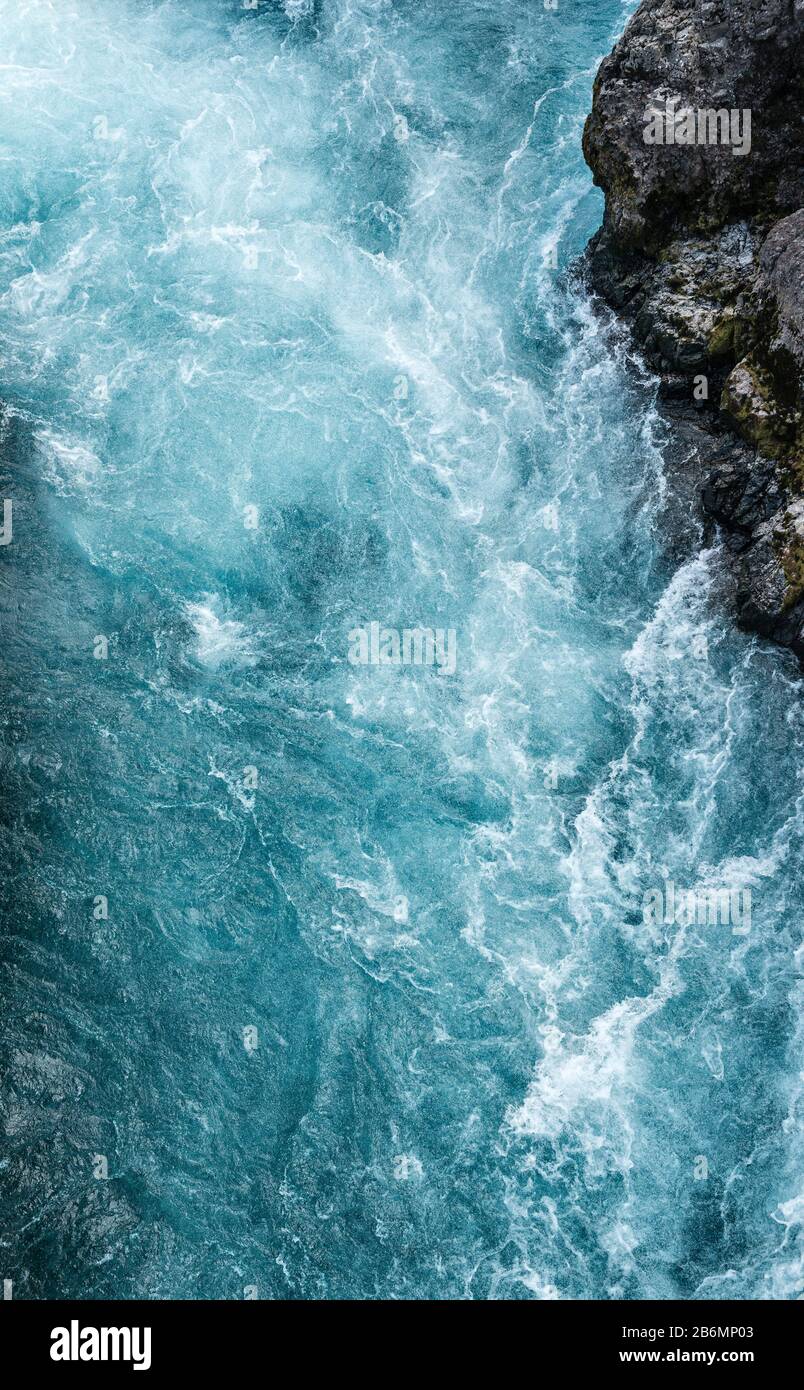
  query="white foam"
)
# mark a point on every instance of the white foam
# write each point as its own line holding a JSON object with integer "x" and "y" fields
{"x": 69, "y": 466}
{"x": 220, "y": 641}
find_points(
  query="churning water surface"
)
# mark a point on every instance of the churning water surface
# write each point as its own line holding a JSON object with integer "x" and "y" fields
{"x": 344, "y": 970}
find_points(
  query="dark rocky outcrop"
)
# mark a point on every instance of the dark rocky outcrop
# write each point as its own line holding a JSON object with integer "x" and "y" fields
{"x": 702, "y": 250}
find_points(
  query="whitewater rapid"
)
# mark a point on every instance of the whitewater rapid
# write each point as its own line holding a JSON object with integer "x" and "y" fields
{"x": 292, "y": 341}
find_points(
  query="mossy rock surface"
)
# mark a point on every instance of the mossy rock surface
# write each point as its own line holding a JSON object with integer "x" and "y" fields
{"x": 749, "y": 402}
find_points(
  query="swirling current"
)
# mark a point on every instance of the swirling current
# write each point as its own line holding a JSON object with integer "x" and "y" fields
{"x": 325, "y": 975}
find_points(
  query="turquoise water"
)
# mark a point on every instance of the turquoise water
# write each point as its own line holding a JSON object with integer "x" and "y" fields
{"x": 340, "y": 973}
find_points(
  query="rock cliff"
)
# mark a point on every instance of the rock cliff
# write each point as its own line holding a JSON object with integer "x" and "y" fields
{"x": 696, "y": 137}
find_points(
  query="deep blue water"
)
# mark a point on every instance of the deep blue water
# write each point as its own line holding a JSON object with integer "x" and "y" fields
{"x": 283, "y": 352}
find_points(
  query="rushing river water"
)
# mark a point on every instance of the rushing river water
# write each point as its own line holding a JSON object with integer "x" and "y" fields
{"x": 322, "y": 979}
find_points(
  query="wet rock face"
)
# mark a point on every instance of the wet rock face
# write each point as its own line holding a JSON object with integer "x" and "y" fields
{"x": 709, "y": 55}
{"x": 697, "y": 138}
{"x": 780, "y": 288}
{"x": 689, "y": 314}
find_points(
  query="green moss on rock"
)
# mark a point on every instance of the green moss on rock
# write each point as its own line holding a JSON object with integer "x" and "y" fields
{"x": 749, "y": 402}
